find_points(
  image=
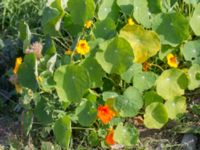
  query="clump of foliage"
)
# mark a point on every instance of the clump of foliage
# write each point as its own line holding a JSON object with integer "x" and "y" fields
{"x": 98, "y": 64}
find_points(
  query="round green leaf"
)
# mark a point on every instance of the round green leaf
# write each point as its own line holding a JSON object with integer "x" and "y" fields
{"x": 95, "y": 71}
{"x": 176, "y": 107}
{"x": 168, "y": 86}
{"x": 81, "y": 10}
{"x": 191, "y": 51}
{"x": 51, "y": 18}
{"x": 194, "y": 81}
{"x": 105, "y": 29}
{"x": 172, "y": 28}
{"x": 130, "y": 103}
{"x": 126, "y": 6}
{"x": 126, "y": 135}
{"x": 62, "y": 131}
{"x": 141, "y": 13}
{"x": 151, "y": 97}
{"x": 195, "y": 20}
{"x": 144, "y": 81}
{"x": 108, "y": 9}
{"x": 71, "y": 82}
{"x": 155, "y": 6}
{"x": 117, "y": 57}
{"x": 145, "y": 43}
{"x": 26, "y": 73}
{"x": 133, "y": 70}
{"x": 155, "y": 116}
{"x": 86, "y": 113}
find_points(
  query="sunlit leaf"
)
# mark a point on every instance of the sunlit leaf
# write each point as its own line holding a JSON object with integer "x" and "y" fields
{"x": 145, "y": 43}
{"x": 155, "y": 116}
{"x": 191, "y": 51}
{"x": 171, "y": 83}
{"x": 195, "y": 20}
{"x": 126, "y": 134}
{"x": 176, "y": 107}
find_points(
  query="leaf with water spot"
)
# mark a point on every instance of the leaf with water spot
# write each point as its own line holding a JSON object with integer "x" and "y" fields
{"x": 191, "y": 51}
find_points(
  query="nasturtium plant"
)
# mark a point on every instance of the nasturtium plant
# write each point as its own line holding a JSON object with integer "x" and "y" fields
{"x": 168, "y": 82}
{"x": 155, "y": 116}
{"x": 145, "y": 43}
{"x": 172, "y": 28}
{"x": 176, "y": 107}
{"x": 191, "y": 51}
{"x": 99, "y": 65}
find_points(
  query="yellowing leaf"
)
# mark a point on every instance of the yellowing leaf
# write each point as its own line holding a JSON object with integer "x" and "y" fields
{"x": 145, "y": 43}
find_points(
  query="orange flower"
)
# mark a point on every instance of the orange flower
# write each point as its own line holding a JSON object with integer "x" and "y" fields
{"x": 82, "y": 47}
{"x": 146, "y": 66}
{"x": 88, "y": 24}
{"x": 18, "y": 62}
{"x": 172, "y": 61}
{"x": 105, "y": 114}
{"x": 130, "y": 21}
{"x": 109, "y": 137}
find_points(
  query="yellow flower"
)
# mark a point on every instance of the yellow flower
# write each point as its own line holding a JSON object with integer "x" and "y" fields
{"x": 172, "y": 61}
{"x": 68, "y": 52}
{"x": 82, "y": 47}
{"x": 88, "y": 24}
{"x": 130, "y": 21}
{"x": 18, "y": 62}
{"x": 39, "y": 78}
